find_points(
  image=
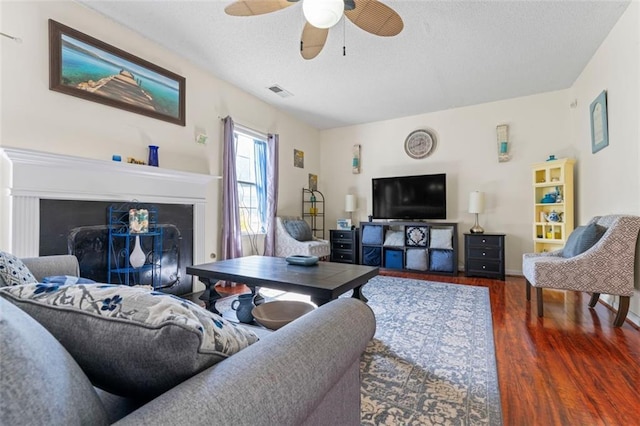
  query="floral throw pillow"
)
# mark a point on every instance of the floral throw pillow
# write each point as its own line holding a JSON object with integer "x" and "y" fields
{"x": 416, "y": 236}
{"x": 13, "y": 271}
{"x": 131, "y": 341}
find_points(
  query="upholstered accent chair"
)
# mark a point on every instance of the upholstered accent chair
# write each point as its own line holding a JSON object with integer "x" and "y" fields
{"x": 606, "y": 267}
{"x": 287, "y": 245}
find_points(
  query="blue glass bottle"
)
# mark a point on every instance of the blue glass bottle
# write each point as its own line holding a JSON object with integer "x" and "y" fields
{"x": 153, "y": 155}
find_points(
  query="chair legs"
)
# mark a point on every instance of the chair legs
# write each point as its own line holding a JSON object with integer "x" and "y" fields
{"x": 538, "y": 296}
{"x": 623, "y": 309}
{"x": 539, "y": 300}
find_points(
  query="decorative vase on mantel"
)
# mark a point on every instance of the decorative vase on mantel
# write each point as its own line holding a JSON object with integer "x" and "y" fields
{"x": 137, "y": 256}
{"x": 153, "y": 155}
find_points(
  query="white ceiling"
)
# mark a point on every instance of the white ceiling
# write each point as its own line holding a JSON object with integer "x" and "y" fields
{"x": 450, "y": 53}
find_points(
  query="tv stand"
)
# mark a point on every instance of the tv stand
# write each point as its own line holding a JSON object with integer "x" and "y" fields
{"x": 416, "y": 246}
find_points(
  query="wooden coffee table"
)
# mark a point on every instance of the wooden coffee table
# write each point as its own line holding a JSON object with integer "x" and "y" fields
{"x": 324, "y": 281}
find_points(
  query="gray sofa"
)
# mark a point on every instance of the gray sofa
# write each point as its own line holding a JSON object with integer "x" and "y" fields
{"x": 305, "y": 373}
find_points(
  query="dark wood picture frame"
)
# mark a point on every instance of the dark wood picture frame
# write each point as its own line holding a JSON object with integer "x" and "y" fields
{"x": 99, "y": 72}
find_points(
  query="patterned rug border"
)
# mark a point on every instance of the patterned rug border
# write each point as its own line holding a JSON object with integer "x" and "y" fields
{"x": 379, "y": 288}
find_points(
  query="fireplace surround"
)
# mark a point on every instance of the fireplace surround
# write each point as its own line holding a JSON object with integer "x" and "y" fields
{"x": 30, "y": 176}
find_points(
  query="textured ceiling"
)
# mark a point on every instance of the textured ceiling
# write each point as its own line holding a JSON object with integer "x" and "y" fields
{"x": 450, "y": 53}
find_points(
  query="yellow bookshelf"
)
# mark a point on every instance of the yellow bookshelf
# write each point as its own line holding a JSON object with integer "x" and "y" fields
{"x": 552, "y": 192}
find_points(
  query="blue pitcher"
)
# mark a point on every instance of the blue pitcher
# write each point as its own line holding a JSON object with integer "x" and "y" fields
{"x": 243, "y": 306}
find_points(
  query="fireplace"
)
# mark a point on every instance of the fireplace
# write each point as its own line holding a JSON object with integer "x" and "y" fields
{"x": 56, "y": 204}
{"x": 82, "y": 228}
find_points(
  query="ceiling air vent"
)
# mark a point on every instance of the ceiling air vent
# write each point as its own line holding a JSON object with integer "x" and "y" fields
{"x": 280, "y": 91}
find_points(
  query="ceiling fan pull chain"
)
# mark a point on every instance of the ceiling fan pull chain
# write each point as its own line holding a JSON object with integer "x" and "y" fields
{"x": 301, "y": 45}
{"x": 344, "y": 37}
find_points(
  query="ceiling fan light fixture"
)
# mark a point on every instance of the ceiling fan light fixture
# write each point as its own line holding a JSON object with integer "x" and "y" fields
{"x": 323, "y": 13}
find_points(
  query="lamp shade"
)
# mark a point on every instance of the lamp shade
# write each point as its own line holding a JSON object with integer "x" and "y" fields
{"x": 476, "y": 202}
{"x": 350, "y": 203}
{"x": 323, "y": 13}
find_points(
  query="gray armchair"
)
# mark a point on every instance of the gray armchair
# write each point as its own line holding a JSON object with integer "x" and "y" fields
{"x": 607, "y": 267}
{"x": 286, "y": 245}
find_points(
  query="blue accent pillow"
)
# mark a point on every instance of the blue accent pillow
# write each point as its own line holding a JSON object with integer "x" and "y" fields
{"x": 582, "y": 239}
{"x": 66, "y": 279}
{"x": 372, "y": 256}
{"x": 441, "y": 260}
{"x": 298, "y": 229}
{"x": 372, "y": 234}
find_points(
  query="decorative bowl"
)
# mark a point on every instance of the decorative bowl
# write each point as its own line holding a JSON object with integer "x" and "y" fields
{"x": 277, "y": 314}
{"x": 302, "y": 260}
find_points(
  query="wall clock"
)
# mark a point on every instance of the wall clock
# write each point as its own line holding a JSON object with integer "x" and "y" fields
{"x": 420, "y": 144}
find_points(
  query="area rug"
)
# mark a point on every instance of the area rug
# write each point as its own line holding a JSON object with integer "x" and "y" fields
{"x": 432, "y": 360}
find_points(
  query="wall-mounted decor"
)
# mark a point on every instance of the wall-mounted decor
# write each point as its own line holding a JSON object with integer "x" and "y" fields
{"x": 599, "y": 126}
{"x": 420, "y": 144}
{"x": 298, "y": 158}
{"x": 502, "y": 134}
{"x": 85, "y": 67}
{"x": 355, "y": 162}
{"x": 313, "y": 182}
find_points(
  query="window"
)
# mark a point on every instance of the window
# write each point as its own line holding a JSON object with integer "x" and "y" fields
{"x": 251, "y": 175}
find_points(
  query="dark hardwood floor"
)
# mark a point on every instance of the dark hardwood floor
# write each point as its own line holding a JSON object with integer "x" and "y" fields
{"x": 571, "y": 367}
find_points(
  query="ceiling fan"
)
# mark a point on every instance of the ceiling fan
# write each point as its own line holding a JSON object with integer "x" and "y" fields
{"x": 370, "y": 15}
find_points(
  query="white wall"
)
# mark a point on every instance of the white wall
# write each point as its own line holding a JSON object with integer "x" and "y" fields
{"x": 33, "y": 117}
{"x": 609, "y": 180}
{"x": 467, "y": 152}
{"x": 606, "y": 182}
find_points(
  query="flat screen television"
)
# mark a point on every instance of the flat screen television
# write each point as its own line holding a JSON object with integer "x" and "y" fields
{"x": 410, "y": 197}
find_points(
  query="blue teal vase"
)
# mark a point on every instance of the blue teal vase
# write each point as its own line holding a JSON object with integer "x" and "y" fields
{"x": 153, "y": 155}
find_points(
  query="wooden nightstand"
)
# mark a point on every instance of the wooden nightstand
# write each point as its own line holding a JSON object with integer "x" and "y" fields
{"x": 344, "y": 245}
{"x": 484, "y": 255}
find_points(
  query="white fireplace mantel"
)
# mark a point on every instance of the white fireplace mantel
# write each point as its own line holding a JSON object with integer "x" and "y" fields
{"x": 29, "y": 176}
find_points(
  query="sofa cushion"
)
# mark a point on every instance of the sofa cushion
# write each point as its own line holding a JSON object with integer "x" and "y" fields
{"x": 131, "y": 341}
{"x": 441, "y": 238}
{"x": 13, "y": 271}
{"x": 299, "y": 229}
{"x": 582, "y": 239}
{"x": 41, "y": 382}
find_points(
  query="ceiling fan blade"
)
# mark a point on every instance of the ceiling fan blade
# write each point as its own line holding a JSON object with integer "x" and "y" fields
{"x": 375, "y": 18}
{"x": 256, "y": 7}
{"x": 312, "y": 41}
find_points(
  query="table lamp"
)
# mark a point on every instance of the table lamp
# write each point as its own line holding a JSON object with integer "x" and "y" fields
{"x": 350, "y": 205}
{"x": 476, "y": 205}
